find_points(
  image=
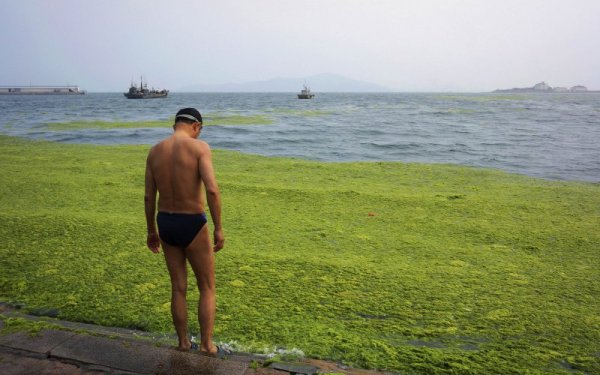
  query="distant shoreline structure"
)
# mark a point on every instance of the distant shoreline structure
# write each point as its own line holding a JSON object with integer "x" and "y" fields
{"x": 545, "y": 88}
{"x": 41, "y": 90}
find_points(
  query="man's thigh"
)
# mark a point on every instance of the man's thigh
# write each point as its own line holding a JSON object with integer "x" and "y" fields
{"x": 175, "y": 259}
{"x": 202, "y": 259}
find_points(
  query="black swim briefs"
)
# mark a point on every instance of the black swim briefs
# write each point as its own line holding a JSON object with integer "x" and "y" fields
{"x": 179, "y": 229}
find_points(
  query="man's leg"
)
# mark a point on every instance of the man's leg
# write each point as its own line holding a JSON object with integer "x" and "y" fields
{"x": 176, "y": 263}
{"x": 202, "y": 260}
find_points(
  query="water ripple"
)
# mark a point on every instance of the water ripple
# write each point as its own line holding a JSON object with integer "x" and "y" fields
{"x": 549, "y": 136}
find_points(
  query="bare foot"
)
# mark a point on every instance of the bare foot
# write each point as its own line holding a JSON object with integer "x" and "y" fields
{"x": 217, "y": 351}
{"x": 211, "y": 352}
{"x": 185, "y": 347}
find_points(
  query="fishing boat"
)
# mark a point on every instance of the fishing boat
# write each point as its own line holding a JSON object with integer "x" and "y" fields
{"x": 142, "y": 92}
{"x": 305, "y": 93}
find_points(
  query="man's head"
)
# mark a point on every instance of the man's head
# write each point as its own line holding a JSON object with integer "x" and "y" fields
{"x": 190, "y": 117}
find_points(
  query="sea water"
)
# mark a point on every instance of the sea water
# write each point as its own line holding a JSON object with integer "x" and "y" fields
{"x": 553, "y": 136}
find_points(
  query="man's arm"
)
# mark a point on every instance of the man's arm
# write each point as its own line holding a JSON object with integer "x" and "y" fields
{"x": 152, "y": 241}
{"x": 213, "y": 196}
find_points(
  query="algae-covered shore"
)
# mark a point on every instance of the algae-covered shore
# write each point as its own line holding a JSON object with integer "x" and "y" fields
{"x": 409, "y": 267}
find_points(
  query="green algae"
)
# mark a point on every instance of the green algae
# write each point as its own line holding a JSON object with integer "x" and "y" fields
{"x": 17, "y": 324}
{"x": 97, "y": 124}
{"x": 209, "y": 119}
{"x": 410, "y": 267}
{"x": 225, "y": 119}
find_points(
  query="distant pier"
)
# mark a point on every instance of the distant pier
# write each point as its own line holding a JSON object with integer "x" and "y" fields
{"x": 41, "y": 90}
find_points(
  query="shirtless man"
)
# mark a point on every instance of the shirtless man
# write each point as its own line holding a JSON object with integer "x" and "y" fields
{"x": 180, "y": 168}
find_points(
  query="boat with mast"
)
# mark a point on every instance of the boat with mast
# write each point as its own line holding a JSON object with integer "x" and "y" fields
{"x": 306, "y": 93}
{"x": 143, "y": 92}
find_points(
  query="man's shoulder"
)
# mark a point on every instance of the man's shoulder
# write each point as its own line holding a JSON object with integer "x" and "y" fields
{"x": 201, "y": 145}
{"x": 154, "y": 149}
{"x": 158, "y": 148}
{"x": 196, "y": 145}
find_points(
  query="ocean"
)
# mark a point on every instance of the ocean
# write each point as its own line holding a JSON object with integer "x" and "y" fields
{"x": 552, "y": 136}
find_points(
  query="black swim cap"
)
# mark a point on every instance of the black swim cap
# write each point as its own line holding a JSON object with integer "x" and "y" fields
{"x": 189, "y": 114}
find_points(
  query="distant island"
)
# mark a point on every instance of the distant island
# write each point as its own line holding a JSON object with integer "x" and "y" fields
{"x": 544, "y": 87}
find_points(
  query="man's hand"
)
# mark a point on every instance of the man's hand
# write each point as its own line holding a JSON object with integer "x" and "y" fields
{"x": 219, "y": 240}
{"x": 153, "y": 242}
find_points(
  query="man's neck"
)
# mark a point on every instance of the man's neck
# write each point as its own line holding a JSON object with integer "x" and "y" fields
{"x": 183, "y": 132}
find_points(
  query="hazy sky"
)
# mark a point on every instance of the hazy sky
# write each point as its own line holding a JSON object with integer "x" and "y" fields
{"x": 416, "y": 45}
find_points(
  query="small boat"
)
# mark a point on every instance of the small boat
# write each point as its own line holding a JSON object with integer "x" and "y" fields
{"x": 305, "y": 93}
{"x": 143, "y": 92}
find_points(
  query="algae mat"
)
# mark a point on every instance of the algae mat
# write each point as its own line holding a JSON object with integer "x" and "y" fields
{"x": 209, "y": 120}
{"x": 409, "y": 267}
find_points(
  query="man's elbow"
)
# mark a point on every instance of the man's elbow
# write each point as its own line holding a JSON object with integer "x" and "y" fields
{"x": 212, "y": 191}
{"x": 149, "y": 199}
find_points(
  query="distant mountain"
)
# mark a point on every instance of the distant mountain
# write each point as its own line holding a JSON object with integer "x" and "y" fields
{"x": 318, "y": 83}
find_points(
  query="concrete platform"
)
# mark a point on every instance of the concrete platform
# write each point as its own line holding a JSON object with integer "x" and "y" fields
{"x": 78, "y": 348}
{"x": 51, "y": 349}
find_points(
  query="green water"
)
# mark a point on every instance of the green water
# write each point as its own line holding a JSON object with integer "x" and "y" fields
{"x": 208, "y": 120}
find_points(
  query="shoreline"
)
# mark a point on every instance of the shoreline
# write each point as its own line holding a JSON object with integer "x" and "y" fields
{"x": 291, "y": 158}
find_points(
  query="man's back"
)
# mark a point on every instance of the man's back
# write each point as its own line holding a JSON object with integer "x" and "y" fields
{"x": 177, "y": 169}
{"x": 175, "y": 165}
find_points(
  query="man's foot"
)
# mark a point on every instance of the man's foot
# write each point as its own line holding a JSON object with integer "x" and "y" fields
{"x": 190, "y": 346}
{"x": 217, "y": 351}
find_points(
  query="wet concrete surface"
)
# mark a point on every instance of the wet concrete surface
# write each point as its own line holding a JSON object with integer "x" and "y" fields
{"x": 51, "y": 350}
{"x": 88, "y": 349}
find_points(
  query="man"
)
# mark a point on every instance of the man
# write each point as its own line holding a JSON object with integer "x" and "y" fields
{"x": 180, "y": 168}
